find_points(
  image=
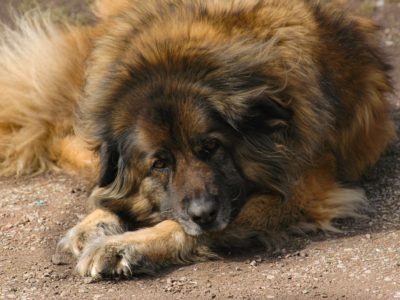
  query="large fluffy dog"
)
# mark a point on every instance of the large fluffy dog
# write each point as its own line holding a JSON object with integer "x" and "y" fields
{"x": 209, "y": 122}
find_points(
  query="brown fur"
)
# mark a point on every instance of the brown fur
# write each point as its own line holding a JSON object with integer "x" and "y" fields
{"x": 295, "y": 88}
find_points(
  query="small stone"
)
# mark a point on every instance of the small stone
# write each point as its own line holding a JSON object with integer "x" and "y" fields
{"x": 303, "y": 254}
{"x": 258, "y": 259}
{"x": 387, "y": 279}
{"x": 28, "y": 275}
{"x": 238, "y": 269}
{"x": 253, "y": 263}
{"x": 368, "y": 236}
{"x": 40, "y": 202}
{"x": 88, "y": 280}
{"x": 270, "y": 277}
{"x": 47, "y": 273}
{"x": 380, "y": 3}
{"x": 58, "y": 259}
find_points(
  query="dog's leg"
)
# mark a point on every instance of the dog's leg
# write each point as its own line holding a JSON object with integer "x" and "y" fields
{"x": 305, "y": 211}
{"x": 141, "y": 251}
{"x": 315, "y": 202}
{"x": 97, "y": 224}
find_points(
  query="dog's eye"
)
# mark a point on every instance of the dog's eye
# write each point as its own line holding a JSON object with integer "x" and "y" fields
{"x": 210, "y": 146}
{"x": 160, "y": 164}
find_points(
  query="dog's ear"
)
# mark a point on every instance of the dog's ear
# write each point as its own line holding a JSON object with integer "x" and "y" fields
{"x": 266, "y": 115}
{"x": 109, "y": 159}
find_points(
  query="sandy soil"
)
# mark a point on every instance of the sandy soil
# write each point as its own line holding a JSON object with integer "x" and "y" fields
{"x": 361, "y": 263}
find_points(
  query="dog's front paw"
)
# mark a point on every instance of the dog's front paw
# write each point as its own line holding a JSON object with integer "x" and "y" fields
{"x": 97, "y": 224}
{"x": 113, "y": 257}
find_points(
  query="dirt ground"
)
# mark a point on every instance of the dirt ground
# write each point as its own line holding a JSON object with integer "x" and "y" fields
{"x": 361, "y": 263}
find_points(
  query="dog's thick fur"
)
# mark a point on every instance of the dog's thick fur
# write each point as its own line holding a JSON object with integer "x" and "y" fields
{"x": 272, "y": 108}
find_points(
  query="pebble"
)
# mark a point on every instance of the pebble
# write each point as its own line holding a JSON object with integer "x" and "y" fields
{"x": 303, "y": 254}
{"x": 40, "y": 202}
{"x": 88, "y": 280}
{"x": 258, "y": 259}
{"x": 387, "y": 279}
{"x": 253, "y": 263}
{"x": 29, "y": 275}
{"x": 380, "y": 3}
{"x": 8, "y": 226}
{"x": 58, "y": 259}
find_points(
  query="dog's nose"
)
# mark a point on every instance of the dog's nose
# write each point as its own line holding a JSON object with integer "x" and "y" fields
{"x": 203, "y": 211}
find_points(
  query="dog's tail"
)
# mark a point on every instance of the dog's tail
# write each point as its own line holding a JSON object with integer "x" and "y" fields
{"x": 41, "y": 73}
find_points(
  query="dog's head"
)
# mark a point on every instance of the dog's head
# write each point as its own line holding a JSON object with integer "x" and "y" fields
{"x": 180, "y": 152}
{"x": 174, "y": 147}
{"x": 191, "y": 130}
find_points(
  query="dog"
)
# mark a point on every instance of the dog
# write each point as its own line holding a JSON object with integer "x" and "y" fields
{"x": 204, "y": 124}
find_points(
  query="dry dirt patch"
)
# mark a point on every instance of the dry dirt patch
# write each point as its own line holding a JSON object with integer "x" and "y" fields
{"x": 362, "y": 263}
